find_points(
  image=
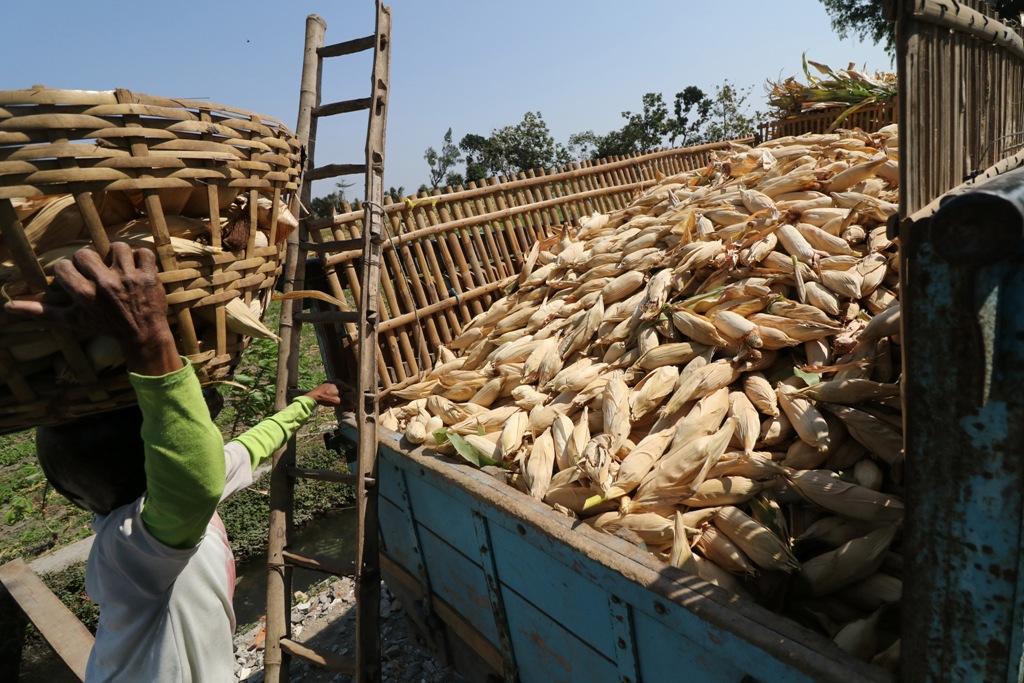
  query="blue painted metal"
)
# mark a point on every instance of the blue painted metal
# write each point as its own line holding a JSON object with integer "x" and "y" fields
{"x": 483, "y": 539}
{"x": 557, "y": 581}
{"x": 964, "y": 366}
{"x": 622, "y": 631}
{"x": 410, "y": 540}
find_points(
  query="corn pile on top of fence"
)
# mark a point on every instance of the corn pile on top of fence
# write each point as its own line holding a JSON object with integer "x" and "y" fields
{"x": 202, "y": 184}
{"x": 449, "y": 254}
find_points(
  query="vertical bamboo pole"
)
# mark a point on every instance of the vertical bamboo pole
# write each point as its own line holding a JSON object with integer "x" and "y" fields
{"x": 538, "y": 216}
{"x": 412, "y": 256}
{"x": 451, "y": 251}
{"x": 483, "y": 269}
{"x": 516, "y": 240}
{"x": 401, "y": 278}
{"x": 493, "y": 254}
{"x": 275, "y": 661}
{"x": 459, "y": 273}
{"x": 432, "y": 275}
{"x": 572, "y": 186}
{"x": 486, "y": 204}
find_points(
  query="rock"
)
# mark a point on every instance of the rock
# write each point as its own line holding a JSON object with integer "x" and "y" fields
{"x": 244, "y": 672}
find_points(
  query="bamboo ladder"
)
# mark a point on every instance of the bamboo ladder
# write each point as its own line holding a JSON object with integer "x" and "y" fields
{"x": 280, "y": 647}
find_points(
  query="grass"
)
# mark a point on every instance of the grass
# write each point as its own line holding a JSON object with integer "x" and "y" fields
{"x": 34, "y": 519}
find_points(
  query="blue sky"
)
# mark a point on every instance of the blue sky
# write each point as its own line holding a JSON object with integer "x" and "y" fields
{"x": 470, "y": 65}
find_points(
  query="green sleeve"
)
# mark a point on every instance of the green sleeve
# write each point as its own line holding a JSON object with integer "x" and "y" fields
{"x": 184, "y": 457}
{"x": 262, "y": 440}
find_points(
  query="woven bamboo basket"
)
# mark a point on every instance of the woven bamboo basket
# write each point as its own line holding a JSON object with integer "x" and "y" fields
{"x": 204, "y": 185}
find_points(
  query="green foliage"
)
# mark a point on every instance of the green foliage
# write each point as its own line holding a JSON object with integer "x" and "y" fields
{"x": 15, "y": 448}
{"x": 728, "y": 114}
{"x": 442, "y": 162}
{"x": 324, "y": 207}
{"x": 510, "y": 149}
{"x": 866, "y": 19}
{"x": 69, "y": 586}
{"x": 695, "y": 118}
{"x": 691, "y": 109}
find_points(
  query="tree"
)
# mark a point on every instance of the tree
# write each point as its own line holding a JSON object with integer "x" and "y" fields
{"x": 866, "y": 19}
{"x": 728, "y": 117}
{"x": 692, "y": 108}
{"x": 396, "y": 193}
{"x": 324, "y": 207}
{"x": 480, "y": 155}
{"x": 510, "y": 149}
{"x": 648, "y": 129}
{"x": 441, "y": 163}
{"x": 582, "y": 145}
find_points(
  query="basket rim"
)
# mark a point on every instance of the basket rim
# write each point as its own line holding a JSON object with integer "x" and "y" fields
{"x": 43, "y": 95}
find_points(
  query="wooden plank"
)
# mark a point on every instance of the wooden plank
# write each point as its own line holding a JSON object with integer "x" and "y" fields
{"x": 347, "y": 47}
{"x": 333, "y": 171}
{"x": 326, "y": 660}
{"x": 342, "y": 107}
{"x": 69, "y": 638}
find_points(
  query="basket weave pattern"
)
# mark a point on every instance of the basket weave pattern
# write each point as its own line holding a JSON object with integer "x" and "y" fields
{"x": 204, "y": 185}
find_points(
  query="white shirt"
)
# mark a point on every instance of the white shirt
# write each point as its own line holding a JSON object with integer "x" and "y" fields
{"x": 165, "y": 613}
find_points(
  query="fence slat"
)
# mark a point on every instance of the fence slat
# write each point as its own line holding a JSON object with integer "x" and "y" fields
{"x": 447, "y": 255}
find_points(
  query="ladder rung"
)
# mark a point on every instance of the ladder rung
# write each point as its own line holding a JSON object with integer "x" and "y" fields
{"x": 347, "y": 47}
{"x": 326, "y": 475}
{"x": 326, "y": 660}
{"x": 315, "y": 562}
{"x": 324, "y": 317}
{"x": 342, "y": 107}
{"x": 332, "y": 245}
{"x": 332, "y": 170}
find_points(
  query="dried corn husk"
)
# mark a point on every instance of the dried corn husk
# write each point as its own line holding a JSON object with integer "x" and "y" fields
{"x": 539, "y": 465}
{"x": 652, "y": 528}
{"x": 854, "y": 560}
{"x": 757, "y": 542}
{"x": 679, "y": 473}
{"x": 769, "y": 264}
{"x": 826, "y": 490}
{"x": 761, "y": 394}
{"x": 648, "y": 394}
{"x": 717, "y": 547}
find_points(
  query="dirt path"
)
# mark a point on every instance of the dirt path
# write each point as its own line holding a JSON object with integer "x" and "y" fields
{"x": 327, "y": 620}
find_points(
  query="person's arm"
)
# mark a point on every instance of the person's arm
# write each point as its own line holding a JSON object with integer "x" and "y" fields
{"x": 269, "y": 435}
{"x": 184, "y": 457}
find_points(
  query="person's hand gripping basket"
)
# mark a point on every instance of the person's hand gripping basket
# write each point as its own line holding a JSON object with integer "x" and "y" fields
{"x": 206, "y": 187}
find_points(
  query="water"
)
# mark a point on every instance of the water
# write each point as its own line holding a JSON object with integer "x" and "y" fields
{"x": 332, "y": 535}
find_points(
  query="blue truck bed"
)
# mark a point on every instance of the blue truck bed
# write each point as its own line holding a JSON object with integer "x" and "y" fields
{"x": 505, "y": 587}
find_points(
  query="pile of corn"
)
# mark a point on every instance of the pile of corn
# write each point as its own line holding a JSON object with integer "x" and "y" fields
{"x": 713, "y": 374}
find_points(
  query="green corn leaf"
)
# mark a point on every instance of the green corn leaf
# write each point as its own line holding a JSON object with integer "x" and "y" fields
{"x": 471, "y": 454}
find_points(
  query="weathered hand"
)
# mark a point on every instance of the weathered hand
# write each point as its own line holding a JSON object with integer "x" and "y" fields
{"x": 125, "y": 300}
{"x": 326, "y": 394}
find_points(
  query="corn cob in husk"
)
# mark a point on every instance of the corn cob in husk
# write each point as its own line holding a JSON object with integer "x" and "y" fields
{"x": 711, "y": 373}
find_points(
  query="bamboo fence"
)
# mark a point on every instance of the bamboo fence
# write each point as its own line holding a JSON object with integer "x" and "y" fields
{"x": 448, "y": 255}
{"x": 869, "y": 118}
{"x": 961, "y": 74}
